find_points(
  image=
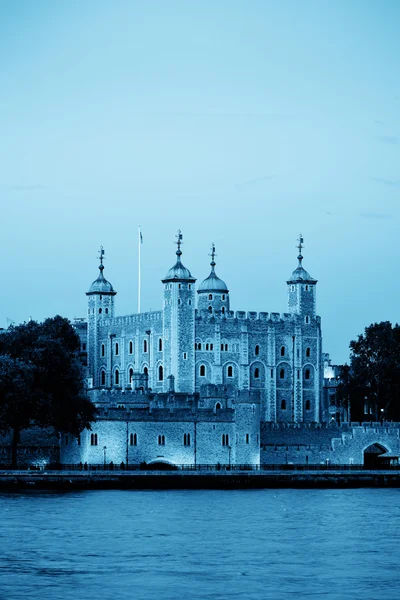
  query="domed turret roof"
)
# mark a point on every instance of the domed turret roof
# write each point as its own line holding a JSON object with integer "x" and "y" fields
{"x": 179, "y": 272}
{"x": 101, "y": 285}
{"x": 300, "y": 274}
{"x": 213, "y": 283}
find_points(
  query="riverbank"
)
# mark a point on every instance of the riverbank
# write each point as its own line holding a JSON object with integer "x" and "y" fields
{"x": 140, "y": 480}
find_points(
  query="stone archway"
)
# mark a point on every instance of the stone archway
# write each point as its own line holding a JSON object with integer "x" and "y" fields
{"x": 371, "y": 455}
{"x": 161, "y": 464}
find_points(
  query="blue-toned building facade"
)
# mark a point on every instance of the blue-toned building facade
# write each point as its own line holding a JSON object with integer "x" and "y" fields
{"x": 199, "y": 340}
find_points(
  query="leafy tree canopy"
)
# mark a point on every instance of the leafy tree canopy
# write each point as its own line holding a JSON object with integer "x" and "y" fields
{"x": 373, "y": 380}
{"x": 41, "y": 378}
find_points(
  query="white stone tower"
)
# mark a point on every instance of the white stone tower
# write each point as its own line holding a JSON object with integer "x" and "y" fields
{"x": 179, "y": 325}
{"x": 213, "y": 293}
{"x": 302, "y": 290}
{"x": 100, "y": 306}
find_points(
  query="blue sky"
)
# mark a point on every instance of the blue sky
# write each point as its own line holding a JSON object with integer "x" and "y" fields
{"x": 239, "y": 122}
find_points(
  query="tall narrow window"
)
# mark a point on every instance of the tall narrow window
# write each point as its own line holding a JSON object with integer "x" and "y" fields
{"x": 225, "y": 439}
{"x": 161, "y": 440}
{"x": 103, "y": 350}
{"x": 283, "y": 351}
{"x": 247, "y": 438}
{"x": 223, "y": 310}
{"x": 93, "y": 439}
{"x": 257, "y": 350}
{"x": 160, "y": 373}
{"x": 307, "y": 319}
{"x": 116, "y": 349}
{"x": 222, "y": 347}
{"x": 186, "y": 439}
{"x": 160, "y": 345}
{"x": 210, "y": 296}
{"x": 130, "y": 375}
{"x": 256, "y": 373}
{"x": 230, "y": 371}
{"x": 283, "y": 405}
{"x": 308, "y": 352}
{"x": 207, "y": 346}
{"x": 282, "y": 374}
{"x": 144, "y": 345}
{"x": 199, "y": 346}
{"x": 106, "y": 311}
{"x": 218, "y": 406}
{"x": 133, "y": 439}
{"x": 210, "y": 309}
{"x": 211, "y": 346}
{"x": 103, "y": 377}
{"x": 223, "y": 296}
{"x": 78, "y": 439}
{"x": 226, "y": 347}
{"x": 308, "y": 406}
{"x": 202, "y": 370}
{"x": 130, "y": 347}
{"x": 100, "y": 311}
{"x": 146, "y": 371}
{"x": 307, "y": 374}
{"x": 116, "y": 377}
{"x": 272, "y": 373}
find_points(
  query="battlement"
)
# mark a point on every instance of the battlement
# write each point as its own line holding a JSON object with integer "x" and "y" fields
{"x": 149, "y": 317}
{"x": 241, "y": 315}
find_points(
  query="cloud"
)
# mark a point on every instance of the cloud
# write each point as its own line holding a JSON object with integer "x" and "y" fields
{"x": 23, "y": 188}
{"x": 254, "y": 181}
{"x": 387, "y": 139}
{"x": 391, "y": 182}
{"x": 375, "y": 216}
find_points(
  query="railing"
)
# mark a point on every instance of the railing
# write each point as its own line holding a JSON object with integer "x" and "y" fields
{"x": 198, "y": 468}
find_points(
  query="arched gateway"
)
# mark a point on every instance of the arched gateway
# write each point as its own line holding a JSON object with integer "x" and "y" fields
{"x": 371, "y": 455}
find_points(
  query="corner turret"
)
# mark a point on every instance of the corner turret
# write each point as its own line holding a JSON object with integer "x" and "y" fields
{"x": 213, "y": 291}
{"x": 302, "y": 289}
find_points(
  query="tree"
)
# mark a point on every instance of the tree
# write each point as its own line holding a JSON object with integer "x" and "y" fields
{"x": 41, "y": 379}
{"x": 373, "y": 380}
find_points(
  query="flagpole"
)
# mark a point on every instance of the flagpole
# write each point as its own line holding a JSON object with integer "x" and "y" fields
{"x": 139, "y": 274}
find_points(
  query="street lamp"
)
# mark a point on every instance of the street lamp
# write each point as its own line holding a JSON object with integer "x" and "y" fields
{"x": 105, "y": 455}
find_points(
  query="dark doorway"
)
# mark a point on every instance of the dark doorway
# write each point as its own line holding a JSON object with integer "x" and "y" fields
{"x": 371, "y": 456}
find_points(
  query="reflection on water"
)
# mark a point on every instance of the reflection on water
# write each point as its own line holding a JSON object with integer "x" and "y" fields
{"x": 166, "y": 545}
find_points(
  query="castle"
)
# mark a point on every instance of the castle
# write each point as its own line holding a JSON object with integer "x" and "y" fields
{"x": 192, "y": 382}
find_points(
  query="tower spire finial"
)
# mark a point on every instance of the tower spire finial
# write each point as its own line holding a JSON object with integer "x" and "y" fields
{"x": 179, "y": 237}
{"x": 213, "y": 255}
{"x": 300, "y": 247}
{"x": 101, "y": 257}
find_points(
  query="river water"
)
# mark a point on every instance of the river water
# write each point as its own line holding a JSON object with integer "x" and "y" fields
{"x": 167, "y": 545}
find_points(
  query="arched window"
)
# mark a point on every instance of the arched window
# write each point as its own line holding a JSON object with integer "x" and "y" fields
{"x": 130, "y": 375}
{"x": 100, "y": 311}
{"x": 211, "y": 346}
{"x": 282, "y": 374}
{"x": 202, "y": 370}
{"x": 222, "y": 347}
{"x": 160, "y": 373}
{"x": 210, "y": 296}
{"x": 116, "y": 349}
{"x": 103, "y": 350}
{"x": 179, "y": 300}
{"x": 103, "y": 377}
{"x": 308, "y": 352}
{"x": 307, "y": 374}
{"x": 144, "y": 345}
{"x": 308, "y": 405}
{"x": 230, "y": 371}
{"x": 225, "y": 439}
{"x": 257, "y": 350}
{"x": 226, "y": 347}
{"x": 223, "y": 310}
{"x": 146, "y": 371}
{"x": 160, "y": 344}
{"x": 207, "y": 346}
{"x": 223, "y": 296}
{"x": 199, "y": 346}
{"x": 210, "y": 309}
{"x": 256, "y": 373}
{"x": 130, "y": 347}
{"x": 106, "y": 311}
{"x": 283, "y": 405}
{"x": 218, "y": 406}
{"x": 283, "y": 351}
{"x": 133, "y": 439}
{"x": 116, "y": 377}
